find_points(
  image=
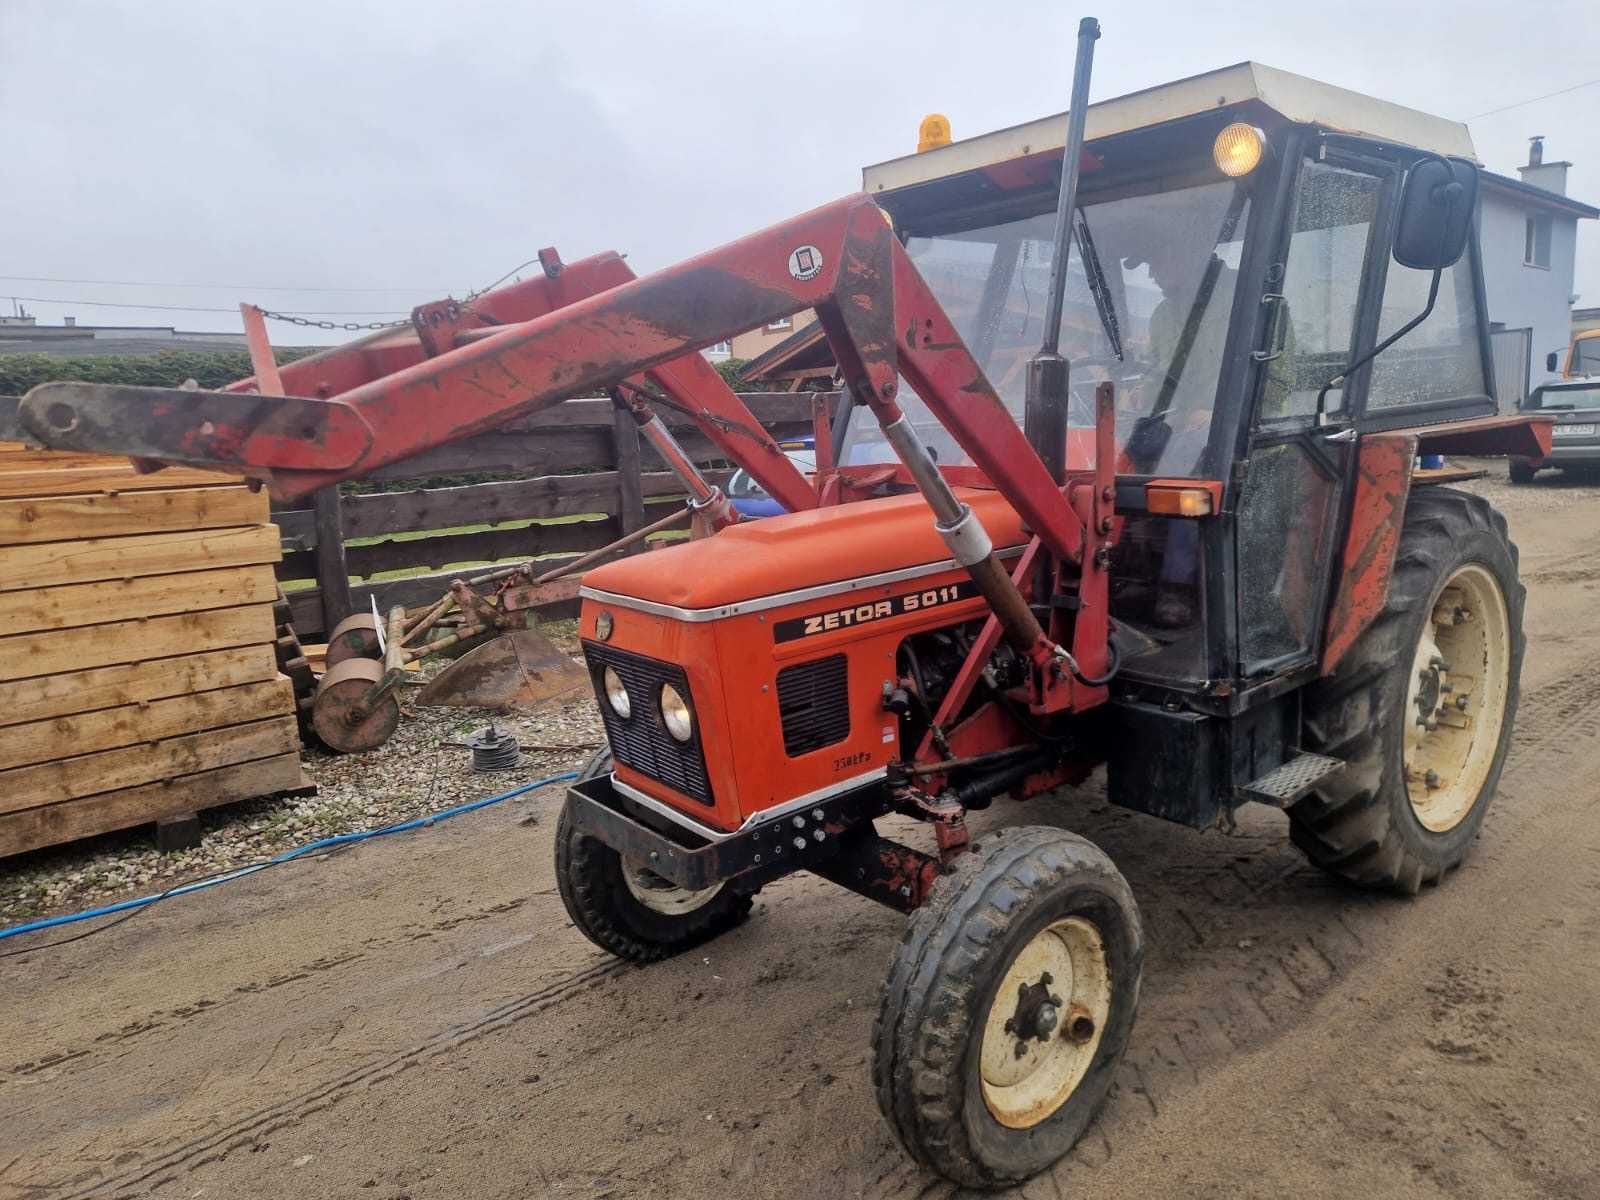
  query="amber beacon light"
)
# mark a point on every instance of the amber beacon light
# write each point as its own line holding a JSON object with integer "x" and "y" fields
{"x": 933, "y": 132}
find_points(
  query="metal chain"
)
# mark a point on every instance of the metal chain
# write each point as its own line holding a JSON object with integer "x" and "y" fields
{"x": 361, "y": 326}
{"x": 351, "y": 326}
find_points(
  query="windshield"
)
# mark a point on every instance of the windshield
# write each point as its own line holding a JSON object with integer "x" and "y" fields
{"x": 1151, "y": 313}
{"x": 1586, "y": 356}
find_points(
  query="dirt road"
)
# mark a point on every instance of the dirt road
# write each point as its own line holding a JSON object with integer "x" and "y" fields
{"x": 415, "y": 1017}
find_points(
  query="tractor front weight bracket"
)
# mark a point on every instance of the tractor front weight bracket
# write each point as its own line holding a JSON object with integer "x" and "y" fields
{"x": 834, "y": 838}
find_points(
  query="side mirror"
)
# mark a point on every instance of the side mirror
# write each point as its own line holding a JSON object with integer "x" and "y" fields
{"x": 1551, "y": 361}
{"x": 1436, "y": 210}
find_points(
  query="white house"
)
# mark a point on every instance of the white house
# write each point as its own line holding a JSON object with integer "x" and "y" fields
{"x": 1529, "y": 231}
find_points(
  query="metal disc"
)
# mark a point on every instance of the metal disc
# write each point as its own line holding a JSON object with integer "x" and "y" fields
{"x": 342, "y": 715}
{"x": 354, "y": 637}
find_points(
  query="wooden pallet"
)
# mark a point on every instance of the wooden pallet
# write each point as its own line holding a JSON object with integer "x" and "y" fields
{"x": 139, "y": 672}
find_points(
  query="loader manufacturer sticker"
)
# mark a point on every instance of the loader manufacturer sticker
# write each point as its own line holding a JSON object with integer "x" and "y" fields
{"x": 805, "y": 263}
{"x": 868, "y": 611}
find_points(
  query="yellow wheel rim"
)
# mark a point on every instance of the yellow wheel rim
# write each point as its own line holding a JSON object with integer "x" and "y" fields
{"x": 1045, "y": 1023}
{"x": 662, "y": 895}
{"x": 1456, "y": 702}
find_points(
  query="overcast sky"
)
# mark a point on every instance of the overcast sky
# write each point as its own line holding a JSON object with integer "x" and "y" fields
{"x": 424, "y": 148}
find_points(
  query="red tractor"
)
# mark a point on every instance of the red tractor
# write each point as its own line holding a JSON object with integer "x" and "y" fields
{"x": 1128, "y": 482}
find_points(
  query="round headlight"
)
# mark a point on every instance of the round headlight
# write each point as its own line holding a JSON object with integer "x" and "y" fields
{"x": 616, "y": 694}
{"x": 1238, "y": 149}
{"x": 675, "y": 713}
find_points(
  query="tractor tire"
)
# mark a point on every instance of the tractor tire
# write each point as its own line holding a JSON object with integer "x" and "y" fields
{"x": 1522, "y": 472}
{"x": 625, "y": 908}
{"x": 975, "y": 1083}
{"x": 1412, "y": 797}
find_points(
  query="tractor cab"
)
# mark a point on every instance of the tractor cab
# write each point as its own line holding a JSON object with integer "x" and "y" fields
{"x": 1231, "y": 253}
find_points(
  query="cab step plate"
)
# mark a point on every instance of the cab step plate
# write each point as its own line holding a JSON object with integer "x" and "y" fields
{"x": 1286, "y": 784}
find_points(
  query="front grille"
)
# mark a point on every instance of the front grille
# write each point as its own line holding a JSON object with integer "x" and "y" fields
{"x": 642, "y": 741}
{"x": 814, "y": 705}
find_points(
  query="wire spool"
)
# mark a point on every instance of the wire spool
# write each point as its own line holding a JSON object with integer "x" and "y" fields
{"x": 493, "y": 750}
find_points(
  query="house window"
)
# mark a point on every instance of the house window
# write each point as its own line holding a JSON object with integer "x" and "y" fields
{"x": 723, "y": 348}
{"x": 1536, "y": 242}
{"x": 780, "y": 324}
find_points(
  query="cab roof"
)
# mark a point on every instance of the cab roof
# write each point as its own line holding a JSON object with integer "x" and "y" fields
{"x": 1295, "y": 98}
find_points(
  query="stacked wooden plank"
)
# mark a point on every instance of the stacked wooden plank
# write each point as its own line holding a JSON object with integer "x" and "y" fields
{"x": 138, "y": 680}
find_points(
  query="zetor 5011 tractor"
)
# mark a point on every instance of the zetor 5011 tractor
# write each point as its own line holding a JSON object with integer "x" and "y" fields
{"x": 1206, "y": 564}
{"x": 1128, "y": 481}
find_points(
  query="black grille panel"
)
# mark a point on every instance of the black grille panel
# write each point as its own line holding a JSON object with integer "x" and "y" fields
{"x": 814, "y": 705}
{"x": 642, "y": 741}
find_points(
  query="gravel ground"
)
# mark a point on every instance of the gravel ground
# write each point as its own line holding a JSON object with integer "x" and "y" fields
{"x": 413, "y": 774}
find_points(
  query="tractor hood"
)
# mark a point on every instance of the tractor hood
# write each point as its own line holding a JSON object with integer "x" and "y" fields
{"x": 784, "y": 554}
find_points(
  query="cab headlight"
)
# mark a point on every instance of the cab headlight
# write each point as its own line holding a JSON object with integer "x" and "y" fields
{"x": 616, "y": 694}
{"x": 675, "y": 713}
{"x": 1238, "y": 149}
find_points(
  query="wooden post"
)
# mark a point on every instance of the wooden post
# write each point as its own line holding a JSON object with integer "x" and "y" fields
{"x": 333, "y": 577}
{"x": 630, "y": 490}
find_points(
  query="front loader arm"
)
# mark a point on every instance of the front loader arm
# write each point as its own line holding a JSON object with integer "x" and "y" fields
{"x": 842, "y": 260}
{"x": 392, "y": 395}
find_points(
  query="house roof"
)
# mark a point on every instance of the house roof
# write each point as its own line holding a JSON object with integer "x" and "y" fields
{"x": 1530, "y": 196}
{"x": 802, "y": 349}
{"x": 1295, "y": 97}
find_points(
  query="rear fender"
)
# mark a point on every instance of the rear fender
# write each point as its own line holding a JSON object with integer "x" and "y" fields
{"x": 1378, "y": 510}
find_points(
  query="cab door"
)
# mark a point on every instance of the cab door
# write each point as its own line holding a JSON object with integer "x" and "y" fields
{"x": 1300, "y": 451}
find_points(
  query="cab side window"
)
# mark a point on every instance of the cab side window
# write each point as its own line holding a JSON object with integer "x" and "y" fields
{"x": 1441, "y": 359}
{"x": 1335, "y": 209}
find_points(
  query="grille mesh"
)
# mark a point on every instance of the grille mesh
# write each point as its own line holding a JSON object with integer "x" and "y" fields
{"x": 814, "y": 705}
{"x": 642, "y": 741}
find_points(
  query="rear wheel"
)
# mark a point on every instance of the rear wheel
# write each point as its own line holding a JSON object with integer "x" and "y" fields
{"x": 1008, "y": 1007}
{"x": 1422, "y": 707}
{"x": 624, "y": 907}
{"x": 1522, "y": 472}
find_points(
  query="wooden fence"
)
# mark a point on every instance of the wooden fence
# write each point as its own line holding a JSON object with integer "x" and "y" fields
{"x": 583, "y": 474}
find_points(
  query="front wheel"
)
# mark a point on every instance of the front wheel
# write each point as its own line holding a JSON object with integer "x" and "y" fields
{"x": 1008, "y": 1007}
{"x": 624, "y": 907}
{"x": 1421, "y": 708}
{"x": 1522, "y": 472}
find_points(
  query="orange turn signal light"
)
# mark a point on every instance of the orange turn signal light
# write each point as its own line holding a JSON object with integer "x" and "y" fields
{"x": 1176, "y": 500}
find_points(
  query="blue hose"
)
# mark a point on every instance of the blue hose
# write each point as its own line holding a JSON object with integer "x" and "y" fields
{"x": 342, "y": 839}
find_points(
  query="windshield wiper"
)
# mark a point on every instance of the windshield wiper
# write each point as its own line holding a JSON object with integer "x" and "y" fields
{"x": 1095, "y": 276}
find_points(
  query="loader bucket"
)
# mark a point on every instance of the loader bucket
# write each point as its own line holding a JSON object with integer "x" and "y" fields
{"x": 519, "y": 669}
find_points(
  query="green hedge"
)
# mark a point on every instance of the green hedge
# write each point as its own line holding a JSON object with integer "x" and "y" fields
{"x": 729, "y": 371}
{"x": 210, "y": 368}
